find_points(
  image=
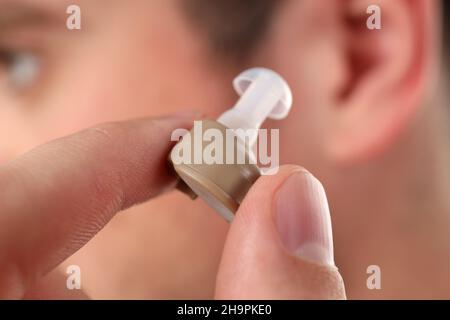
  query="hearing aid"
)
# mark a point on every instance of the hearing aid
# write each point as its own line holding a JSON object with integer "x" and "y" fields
{"x": 224, "y": 184}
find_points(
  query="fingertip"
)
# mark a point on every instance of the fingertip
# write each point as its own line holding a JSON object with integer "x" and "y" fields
{"x": 280, "y": 243}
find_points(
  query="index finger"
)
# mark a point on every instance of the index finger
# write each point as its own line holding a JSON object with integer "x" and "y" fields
{"x": 59, "y": 195}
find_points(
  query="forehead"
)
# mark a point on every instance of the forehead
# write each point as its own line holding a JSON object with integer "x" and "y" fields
{"x": 58, "y": 7}
{"x": 13, "y": 12}
{"x": 47, "y": 5}
{"x": 90, "y": 9}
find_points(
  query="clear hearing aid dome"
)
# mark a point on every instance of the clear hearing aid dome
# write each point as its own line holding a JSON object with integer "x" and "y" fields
{"x": 216, "y": 159}
{"x": 264, "y": 94}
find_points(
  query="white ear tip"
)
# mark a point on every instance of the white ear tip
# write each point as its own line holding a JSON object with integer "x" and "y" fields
{"x": 246, "y": 78}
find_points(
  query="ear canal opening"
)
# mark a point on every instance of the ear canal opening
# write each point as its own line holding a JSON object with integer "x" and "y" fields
{"x": 242, "y": 85}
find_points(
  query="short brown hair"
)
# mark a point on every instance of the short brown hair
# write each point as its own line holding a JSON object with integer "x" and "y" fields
{"x": 234, "y": 27}
{"x": 446, "y": 22}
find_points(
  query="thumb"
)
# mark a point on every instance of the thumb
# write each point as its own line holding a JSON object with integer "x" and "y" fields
{"x": 280, "y": 243}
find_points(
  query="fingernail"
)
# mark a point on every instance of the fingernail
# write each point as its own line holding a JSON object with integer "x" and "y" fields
{"x": 303, "y": 218}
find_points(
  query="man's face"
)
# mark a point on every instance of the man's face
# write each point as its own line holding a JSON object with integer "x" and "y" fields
{"x": 126, "y": 61}
{"x": 146, "y": 58}
{"x": 149, "y": 59}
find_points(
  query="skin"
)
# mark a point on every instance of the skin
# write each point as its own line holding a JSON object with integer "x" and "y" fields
{"x": 367, "y": 121}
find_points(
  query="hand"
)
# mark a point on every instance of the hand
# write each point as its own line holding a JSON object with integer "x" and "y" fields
{"x": 55, "y": 198}
{"x": 280, "y": 243}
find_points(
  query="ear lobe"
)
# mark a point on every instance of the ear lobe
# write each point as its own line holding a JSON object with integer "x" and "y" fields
{"x": 388, "y": 72}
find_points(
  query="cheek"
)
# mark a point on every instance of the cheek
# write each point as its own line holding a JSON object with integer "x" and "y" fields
{"x": 154, "y": 69}
{"x": 17, "y": 134}
{"x": 301, "y": 132}
{"x": 89, "y": 89}
{"x": 314, "y": 87}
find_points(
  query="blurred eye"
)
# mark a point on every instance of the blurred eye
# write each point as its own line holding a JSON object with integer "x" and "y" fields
{"x": 21, "y": 68}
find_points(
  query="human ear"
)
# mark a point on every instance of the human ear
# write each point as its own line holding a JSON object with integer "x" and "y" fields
{"x": 388, "y": 74}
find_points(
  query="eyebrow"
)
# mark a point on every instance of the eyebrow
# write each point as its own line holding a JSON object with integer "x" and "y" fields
{"x": 21, "y": 13}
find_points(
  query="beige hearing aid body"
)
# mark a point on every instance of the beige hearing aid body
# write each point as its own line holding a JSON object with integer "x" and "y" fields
{"x": 224, "y": 185}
